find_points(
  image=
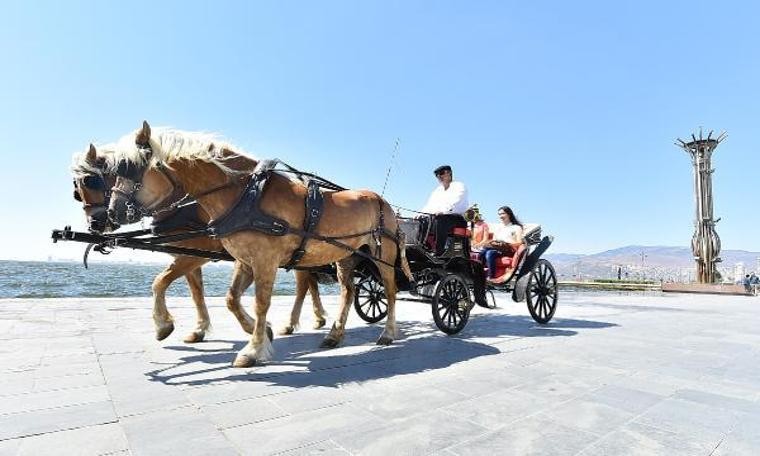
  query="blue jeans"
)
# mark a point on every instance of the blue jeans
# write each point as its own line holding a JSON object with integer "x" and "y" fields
{"x": 488, "y": 257}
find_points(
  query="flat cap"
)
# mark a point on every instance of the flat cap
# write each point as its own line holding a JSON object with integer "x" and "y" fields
{"x": 442, "y": 169}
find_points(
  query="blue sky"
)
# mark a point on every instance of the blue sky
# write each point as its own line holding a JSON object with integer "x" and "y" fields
{"x": 567, "y": 111}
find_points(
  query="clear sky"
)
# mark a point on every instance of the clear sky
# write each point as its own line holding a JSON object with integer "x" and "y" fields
{"x": 566, "y": 111}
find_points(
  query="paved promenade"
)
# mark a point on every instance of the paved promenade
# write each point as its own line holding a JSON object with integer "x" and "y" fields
{"x": 611, "y": 375}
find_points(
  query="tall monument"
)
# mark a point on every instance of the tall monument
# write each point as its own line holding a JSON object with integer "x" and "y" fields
{"x": 705, "y": 244}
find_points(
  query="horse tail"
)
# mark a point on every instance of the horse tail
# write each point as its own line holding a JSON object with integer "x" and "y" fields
{"x": 401, "y": 260}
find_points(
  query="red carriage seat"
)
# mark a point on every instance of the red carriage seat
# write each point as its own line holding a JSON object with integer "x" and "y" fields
{"x": 459, "y": 231}
{"x": 504, "y": 262}
{"x": 509, "y": 262}
{"x": 456, "y": 231}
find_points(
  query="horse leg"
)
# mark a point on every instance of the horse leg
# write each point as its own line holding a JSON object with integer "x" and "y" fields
{"x": 320, "y": 315}
{"x": 164, "y": 323}
{"x": 195, "y": 282}
{"x": 345, "y": 269}
{"x": 260, "y": 349}
{"x": 302, "y": 285}
{"x": 390, "y": 332}
{"x": 242, "y": 277}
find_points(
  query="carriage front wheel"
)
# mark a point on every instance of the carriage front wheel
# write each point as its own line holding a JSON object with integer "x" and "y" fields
{"x": 541, "y": 292}
{"x": 451, "y": 304}
{"x": 369, "y": 298}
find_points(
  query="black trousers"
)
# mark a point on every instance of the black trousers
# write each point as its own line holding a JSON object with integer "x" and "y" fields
{"x": 442, "y": 226}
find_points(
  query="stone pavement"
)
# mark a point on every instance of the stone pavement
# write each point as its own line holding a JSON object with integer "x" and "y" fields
{"x": 611, "y": 375}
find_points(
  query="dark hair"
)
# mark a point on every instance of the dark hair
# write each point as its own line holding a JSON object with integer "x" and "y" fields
{"x": 442, "y": 169}
{"x": 511, "y": 215}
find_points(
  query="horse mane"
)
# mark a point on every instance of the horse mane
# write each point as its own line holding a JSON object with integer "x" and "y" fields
{"x": 170, "y": 144}
{"x": 80, "y": 167}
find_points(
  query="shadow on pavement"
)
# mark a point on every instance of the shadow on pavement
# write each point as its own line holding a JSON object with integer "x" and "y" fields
{"x": 299, "y": 362}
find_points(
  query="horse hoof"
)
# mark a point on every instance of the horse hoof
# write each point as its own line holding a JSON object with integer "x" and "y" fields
{"x": 163, "y": 332}
{"x": 286, "y": 331}
{"x": 329, "y": 342}
{"x": 270, "y": 334}
{"x": 194, "y": 337}
{"x": 243, "y": 361}
{"x": 319, "y": 324}
{"x": 384, "y": 340}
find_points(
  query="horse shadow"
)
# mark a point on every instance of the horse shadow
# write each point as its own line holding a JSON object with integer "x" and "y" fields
{"x": 300, "y": 363}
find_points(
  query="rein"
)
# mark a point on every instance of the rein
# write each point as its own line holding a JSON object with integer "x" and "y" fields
{"x": 263, "y": 170}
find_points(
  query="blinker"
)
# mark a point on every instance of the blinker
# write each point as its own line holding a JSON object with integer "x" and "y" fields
{"x": 94, "y": 182}
{"x": 128, "y": 170}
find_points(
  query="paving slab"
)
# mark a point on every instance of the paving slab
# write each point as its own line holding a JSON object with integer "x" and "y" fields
{"x": 615, "y": 373}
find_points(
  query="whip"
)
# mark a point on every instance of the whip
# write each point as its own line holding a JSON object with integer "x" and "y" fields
{"x": 390, "y": 166}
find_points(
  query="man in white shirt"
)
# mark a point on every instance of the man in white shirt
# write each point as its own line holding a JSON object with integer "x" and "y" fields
{"x": 446, "y": 204}
{"x": 450, "y": 197}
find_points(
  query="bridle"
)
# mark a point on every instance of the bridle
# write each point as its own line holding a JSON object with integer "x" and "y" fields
{"x": 129, "y": 171}
{"x": 92, "y": 182}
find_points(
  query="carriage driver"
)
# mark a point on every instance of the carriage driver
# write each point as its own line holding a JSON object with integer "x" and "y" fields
{"x": 447, "y": 202}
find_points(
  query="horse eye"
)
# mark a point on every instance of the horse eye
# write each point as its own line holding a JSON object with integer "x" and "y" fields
{"x": 77, "y": 196}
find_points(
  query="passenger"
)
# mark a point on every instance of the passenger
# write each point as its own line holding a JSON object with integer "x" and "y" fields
{"x": 507, "y": 237}
{"x": 479, "y": 228}
{"x": 446, "y": 204}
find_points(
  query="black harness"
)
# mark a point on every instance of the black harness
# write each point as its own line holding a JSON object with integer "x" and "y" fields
{"x": 246, "y": 214}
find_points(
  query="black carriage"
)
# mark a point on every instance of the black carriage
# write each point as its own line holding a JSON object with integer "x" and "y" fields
{"x": 453, "y": 280}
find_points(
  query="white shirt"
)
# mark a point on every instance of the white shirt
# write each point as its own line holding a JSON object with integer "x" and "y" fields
{"x": 448, "y": 201}
{"x": 511, "y": 234}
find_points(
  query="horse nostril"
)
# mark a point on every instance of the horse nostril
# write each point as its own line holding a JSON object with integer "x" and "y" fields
{"x": 111, "y": 213}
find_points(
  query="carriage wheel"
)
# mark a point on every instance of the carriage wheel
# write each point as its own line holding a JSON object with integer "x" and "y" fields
{"x": 451, "y": 304}
{"x": 541, "y": 293}
{"x": 369, "y": 299}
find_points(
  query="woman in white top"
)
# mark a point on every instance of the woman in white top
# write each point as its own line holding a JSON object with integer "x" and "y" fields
{"x": 507, "y": 237}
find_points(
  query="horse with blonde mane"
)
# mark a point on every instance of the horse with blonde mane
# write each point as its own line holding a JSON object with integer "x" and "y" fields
{"x": 92, "y": 187}
{"x": 355, "y": 224}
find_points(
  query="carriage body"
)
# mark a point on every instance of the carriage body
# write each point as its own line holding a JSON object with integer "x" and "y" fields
{"x": 449, "y": 281}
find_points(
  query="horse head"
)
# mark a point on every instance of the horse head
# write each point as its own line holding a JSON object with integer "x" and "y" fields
{"x": 92, "y": 188}
{"x": 142, "y": 185}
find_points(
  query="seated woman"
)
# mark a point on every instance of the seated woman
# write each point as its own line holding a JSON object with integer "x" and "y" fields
{"x": 478, "y": 227}
{"x": 507, "y": 237}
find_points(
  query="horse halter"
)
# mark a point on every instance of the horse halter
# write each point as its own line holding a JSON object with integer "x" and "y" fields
{"x": 130, "y": 171}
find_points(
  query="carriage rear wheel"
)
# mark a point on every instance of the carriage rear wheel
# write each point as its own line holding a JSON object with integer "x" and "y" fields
{"x": 369, "y": 299}
{"x": 541, "y": 292}
{"x": 451, "y": 304}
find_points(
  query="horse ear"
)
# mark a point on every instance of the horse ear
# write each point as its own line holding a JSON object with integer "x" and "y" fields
{"x": 143, "y": 136}
{"x": 92, "y": 155}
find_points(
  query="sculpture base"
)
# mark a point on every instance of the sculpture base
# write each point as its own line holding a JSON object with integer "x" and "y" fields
{"x": 706, "y": 288}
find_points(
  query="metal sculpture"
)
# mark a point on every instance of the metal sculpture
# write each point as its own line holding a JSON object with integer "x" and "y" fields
{"x": 705, "y": 244}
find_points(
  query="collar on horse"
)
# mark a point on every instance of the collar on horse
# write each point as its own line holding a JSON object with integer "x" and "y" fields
{"x": 246, "y": 214}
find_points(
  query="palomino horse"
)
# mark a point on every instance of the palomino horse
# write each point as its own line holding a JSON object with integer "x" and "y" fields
{"x": 92, "y": 187}
{"x": 216, "y": 175}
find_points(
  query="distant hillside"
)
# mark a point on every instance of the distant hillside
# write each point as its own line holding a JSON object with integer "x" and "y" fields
{"x": 657, "y": 262}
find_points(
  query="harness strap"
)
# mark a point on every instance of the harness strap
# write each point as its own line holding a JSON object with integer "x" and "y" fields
{"x": 314, "y": 208}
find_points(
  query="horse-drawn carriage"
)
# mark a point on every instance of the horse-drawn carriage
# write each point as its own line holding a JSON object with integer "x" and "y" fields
{"x": 263, "y": 218}
{"x": 451, "y": 281}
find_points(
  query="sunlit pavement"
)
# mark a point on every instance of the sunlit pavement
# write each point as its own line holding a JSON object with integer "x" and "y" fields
{"x": 610, "y": 375}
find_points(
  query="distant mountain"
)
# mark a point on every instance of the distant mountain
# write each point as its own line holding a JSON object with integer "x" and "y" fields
{"x": 652, "y": 262}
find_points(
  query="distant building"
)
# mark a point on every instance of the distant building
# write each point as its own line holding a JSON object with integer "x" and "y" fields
{"x": 738, "y": 271}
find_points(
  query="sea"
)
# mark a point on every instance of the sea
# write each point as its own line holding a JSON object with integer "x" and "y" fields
{"x": 50, "y": 279}
{"x": 70, "y": 279}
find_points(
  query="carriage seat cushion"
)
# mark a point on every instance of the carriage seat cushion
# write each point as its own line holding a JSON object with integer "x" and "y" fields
{"x": 513, "y": 260}
{"x": 460, "y": 231}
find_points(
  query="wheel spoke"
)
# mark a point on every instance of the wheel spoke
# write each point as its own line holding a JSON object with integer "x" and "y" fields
{"x": 445, "y": 314}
